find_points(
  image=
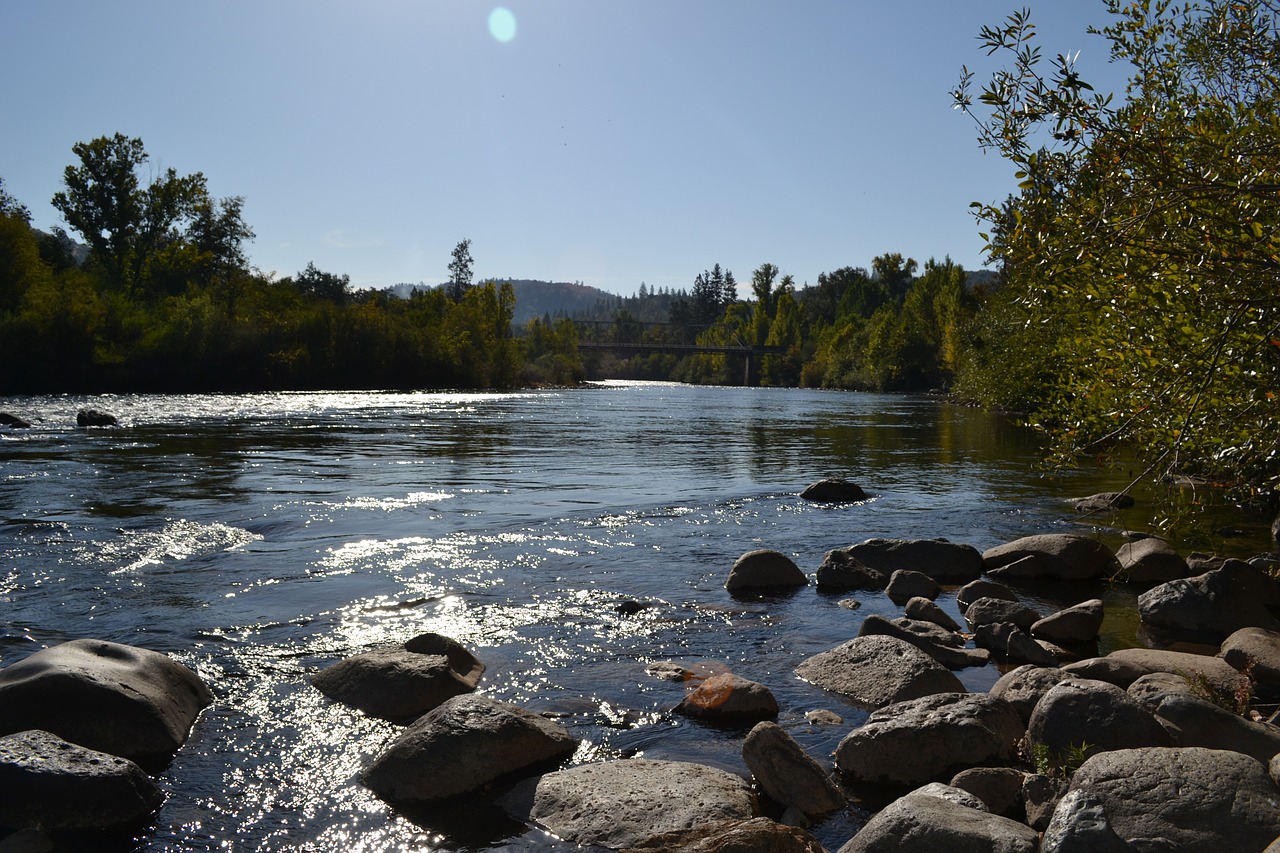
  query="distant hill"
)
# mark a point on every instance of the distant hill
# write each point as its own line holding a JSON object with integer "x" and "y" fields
{"x": 542, "y": 298}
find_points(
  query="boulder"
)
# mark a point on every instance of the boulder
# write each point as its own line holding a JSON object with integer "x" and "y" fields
{"x": 1149, "y": 560}
{"x": 764, "y": 569}
{"x": 788, "y": 774}
{"x": 947, "y": 654}
{"x": 987, "y": 611}
{"x": 972, "y": 591}
{"x": 54, "y": 785}
{"x": 1020, "y": 648}
{"x": 920, "y": 823}
{"x": 1117, "y": 671}
{"x": 402, "y": 682}
{"x": 1212, "y": 673}
{"x": 14, "y": 421}
{"x": 623, "y": 803}
{"x": 728, "y": 698}
{"x": 1166, "y": 798}
{"x": 876, "y": 670}
{"x": 758, "y": 835}
{"x": 1073, "y": 626}
{"x": 905, "y": 585}
{"x": 924, "y": 610}
{"x": 840, "y": 570}
{"x": 1217, "y": 603}
{"x": 1077, "y": 718}
{"x": 118, "y": 699}
{"x": 1056, "y": 556}
{"x": 1023, "y": 687}
{"x": 94, "y": 418}
{"x": 1257, "y": 652}
{"x": 834, "y": 491}
{"x": 1040, "y": 796}
{"x": 939, "y": 559}
{"x": 999, "y": 788}
{"x": 913, "y": 742}
{"x": 1102, "y": 502}
{"x": 1194, "y": 721}
{"x": 463, "y": 744}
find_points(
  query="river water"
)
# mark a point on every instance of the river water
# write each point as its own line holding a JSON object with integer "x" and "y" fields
{"x": 258, "y": 538}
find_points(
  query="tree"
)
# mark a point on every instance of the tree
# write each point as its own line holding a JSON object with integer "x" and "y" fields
{"x": 460, "y": 271}
{"x": 762, "y": 287}
{"x": 1144, "y": 244}
{"x": 326, "y": 286}
{"x": 11, "y": 207}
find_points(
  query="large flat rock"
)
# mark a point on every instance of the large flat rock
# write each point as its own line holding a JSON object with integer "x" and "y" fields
{"x": 874, "y": 671}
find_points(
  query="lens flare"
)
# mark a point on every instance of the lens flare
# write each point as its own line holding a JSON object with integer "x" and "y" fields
{"x": 502, "y": 24}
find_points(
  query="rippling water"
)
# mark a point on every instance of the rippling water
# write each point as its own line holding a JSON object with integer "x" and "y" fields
{"x": 258, "y": 538}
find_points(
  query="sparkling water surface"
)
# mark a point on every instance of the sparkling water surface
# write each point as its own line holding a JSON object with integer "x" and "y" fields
{"x": 258, "y": 538}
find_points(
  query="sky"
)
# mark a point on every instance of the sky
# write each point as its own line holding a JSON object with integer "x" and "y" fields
{"x": 597, "y": 141}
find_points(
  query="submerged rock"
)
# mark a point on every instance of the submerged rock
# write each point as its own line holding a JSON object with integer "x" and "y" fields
{"x": 834, "y": 491}
{"x": 95, "y": 418}
{"x": 937, "y": 558}
{"x": 13, "y": 421}
{"x": 764, "y": 569}
{"x": 841, "y": 570}
{"x": 726, "y": 697}
{"x": 905, "y": 585}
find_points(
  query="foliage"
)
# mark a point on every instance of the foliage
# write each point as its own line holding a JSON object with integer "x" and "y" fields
{"x": 1237, "y": 701}
{"x": 1060, "y": 765}
{"x": 460, "y": 270}
{"x": 1142, "y": 254}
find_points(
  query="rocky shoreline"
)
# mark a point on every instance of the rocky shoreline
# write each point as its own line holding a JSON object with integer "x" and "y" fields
{"x": 1171, "y": 748}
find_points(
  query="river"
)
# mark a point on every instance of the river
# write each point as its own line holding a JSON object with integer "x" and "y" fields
{"x": 258, "y": 538}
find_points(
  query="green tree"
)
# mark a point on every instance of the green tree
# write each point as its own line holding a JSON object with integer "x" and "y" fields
{"x": 1144, "y": 244}
{"x": 11, "y": 207}
{"x": 318, "y": 284}
{"x": 460, "y": 271}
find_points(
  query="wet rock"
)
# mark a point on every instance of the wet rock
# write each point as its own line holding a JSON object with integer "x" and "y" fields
{"x": 1077, "y": 718}
{"x": 788, "y": 774}
{"x": 913, "y": 742}
{"x": 876, "y": 670}
{"x": 1166, "y": 799}
{"x": 1103, "y": 501}
{"x": 834, "y": 491}
{"x": 1150, "y": 560}
{"x": 1023, "y": 687}
{"x": 972, "y": 591}
{"x": 118, "y": 699}
{"x": 1257, "y": 651}
{"x": 13, "y": 421}
{"x": 463, "y": 744}
{"x": 823, "y": 717}
{"x": 621, "y": 804}
{"x": 728, "y": 698}
{"x": 929, "y": 631}
{"x": 1058, "y": 556}
{"x": 1217, "y": 603}
{"x": 948, "y": 654}
{"x": 402, "y": 682}
{"x": 51, "y": 784}
{"x": 758, "y": 835}
{"x": 905, "y": 585}
{"x": 924, "y": 610}
{"x": 987, "y": 611}
{"x": 1020, "y": 648}
{"x": 999, "y": 788}
{"x": 95, "y": 418}
{"x": 840, "y": 570}
{"x": 920, "y": 823}
{"x": 1073, "y": 626}
{"x": 939, "y": 559}
{"x": 669, "y": 670}
{"x": 764, "y": 569}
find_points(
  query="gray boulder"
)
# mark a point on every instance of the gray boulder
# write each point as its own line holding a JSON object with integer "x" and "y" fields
{"x": 728, "y": 698}
{"x": 1213, "y": 673}
{"x": 1023, "y": 687}
{"x": 988, "y": 611}
{"x": 929, "y": 738}
{"x": 52, "y": 784}
{"x": 1020, "y": 648}
{"x": 941, "y": 560}
{"x": 1257, "y": 651}
{"x": 999, "y": 788}
{"x": 122, "y": 700}
{"x": 463, "y": 744}
{"x": 1040, "y": 796}
{"x": 924, "y": 610}
{"x": 1077, "y": 718}
{"x": 1073, "y": 626}
{"x": 905, "y": 585}
{"x": 1150, "y": 560}
{"x": 876, "y": 670}
{"x": 764, "y": 569}
{"x": 621, "y": 804}
{"x": 14, "y": 421}
{"x": 840, "y": 570}
{"x": 1057, "y": 556}
{"x": 972, "y": 591}
{"x": 1218, "y": 602}
{"x": 788, "y": 774}
{"x": 949, "y": 654}
{"x": 95, "y": 418}
{"x": 758, "y": 835}
{"x": 833, "y": 490}
{"x": 1194, "y": 721}
{"x": 405, "y": 681}
{"x": 1166, "y": 799}
{"x": 920, "y": 823}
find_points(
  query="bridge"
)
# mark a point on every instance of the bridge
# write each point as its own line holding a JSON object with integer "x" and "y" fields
{"x": 628, "y": 338}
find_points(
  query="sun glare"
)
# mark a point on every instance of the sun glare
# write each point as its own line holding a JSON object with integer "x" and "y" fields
{"x": 502, "y": 24}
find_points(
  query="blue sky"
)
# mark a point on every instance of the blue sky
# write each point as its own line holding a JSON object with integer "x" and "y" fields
{"x": 604, "y": 142}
